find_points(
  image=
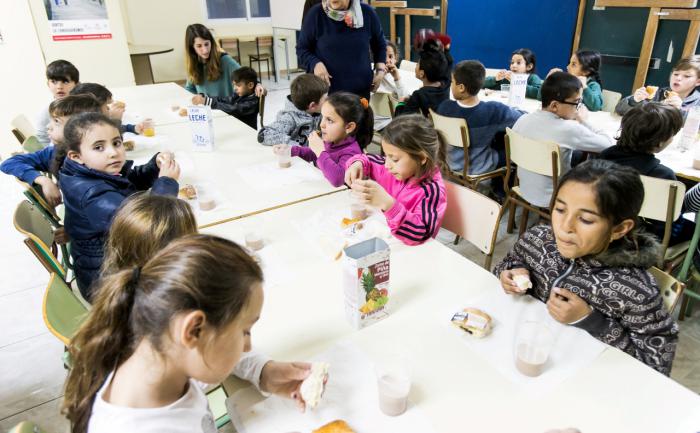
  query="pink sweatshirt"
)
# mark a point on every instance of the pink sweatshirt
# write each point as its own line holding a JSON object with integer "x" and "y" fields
{"x": 332, "y": 160}
{"x": 419, "y": 205}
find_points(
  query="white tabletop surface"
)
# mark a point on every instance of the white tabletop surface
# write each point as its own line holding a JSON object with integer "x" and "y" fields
{"x": 457, "y": 389}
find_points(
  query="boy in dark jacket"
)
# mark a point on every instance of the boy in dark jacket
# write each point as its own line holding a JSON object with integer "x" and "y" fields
{"x": 244, "y": 105}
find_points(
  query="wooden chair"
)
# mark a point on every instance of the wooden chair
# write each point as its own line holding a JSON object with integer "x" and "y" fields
{"x": 671, "y": 289}
{"x": 26, "y": 427}
{"x": 663, "y": 200}
{"x": 36, "y": 197}
{"x": 22, "y": 128}
{"x": 610, "y": 100}
{"x": 407, "y": 65}
{"x": 231, "y": 46}
{"x": 456, "y": 133}
{"x": 540, "y": 157}
{"x": 261, "y": 111}
{"x": 689, "y": 274}
{"x": 267, "y": 55}
{"x": 382, "y": 104}
{"x": 472, "y": 216}
{"x": 62, "y": 310}
{"x": 32, "y": 144}
{"x": 31, "y": 222}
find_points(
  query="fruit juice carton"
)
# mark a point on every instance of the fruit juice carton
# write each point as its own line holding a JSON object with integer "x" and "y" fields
{"x": 202, "y": 127}
{"x": 366, "y": 282}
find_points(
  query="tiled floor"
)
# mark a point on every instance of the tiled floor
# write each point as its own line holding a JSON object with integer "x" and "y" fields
{"x": 31, "y": 372}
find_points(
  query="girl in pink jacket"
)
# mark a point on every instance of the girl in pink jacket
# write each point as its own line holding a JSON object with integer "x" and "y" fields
{"x": 406, "y": 184}
{"x": 347, "y": 125}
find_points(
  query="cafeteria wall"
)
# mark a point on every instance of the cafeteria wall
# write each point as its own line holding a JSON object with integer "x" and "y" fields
{"x": 157, "y": 22}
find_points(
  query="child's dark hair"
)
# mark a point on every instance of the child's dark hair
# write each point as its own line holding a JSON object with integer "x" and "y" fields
{"x": 245, "y": 74}
{"x": 559, "y": 86}
{"x": 97, "y": 90}
{"x": 647, "y": 126}
{"x": 432, "y": 60}
{"x": 414, "y": 134}
{"x": 305, "y": 89}
{"x": 619, "y": 190}
{"x": 471, "y": 74}
{"x": 194, "y": 273}
{"x": 74, "y": 104}
{"x": 528, "y": 56}
{"x": 73, "y": 134}
{"x": 352, "y": 108}
{"x": 393, "y": 46}
{"x": 62, "y": 70}
{"x": 590, "y": 62}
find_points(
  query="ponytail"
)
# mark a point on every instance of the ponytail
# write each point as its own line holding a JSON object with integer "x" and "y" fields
{"x": 442, "y": 153}
{"x": 590, "y": 63}
{"x": 352, "y": 108}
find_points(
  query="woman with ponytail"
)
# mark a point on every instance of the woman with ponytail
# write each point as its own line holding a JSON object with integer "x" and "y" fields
{"x": 347, "y": 126}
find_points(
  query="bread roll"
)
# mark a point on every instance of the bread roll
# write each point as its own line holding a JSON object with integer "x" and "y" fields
{"x": 473, "y": 321}
{"x": 311, "y": 388}
{"x": 183, "y": 112}
{"x": 129, "y": 145}
{"x": 337, "y": 426}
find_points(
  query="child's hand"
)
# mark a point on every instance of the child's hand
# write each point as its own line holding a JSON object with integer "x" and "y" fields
{"x": 316, "y": 143}
{"x": 116, "y": 110}
{"x": 640, "y": 94}
{"x": 507, "y": 282}
{"x": 321, "y": 72}
{"x": 373, "y": 194}
{"x": 284, "y": 379}
{"x": 501, "y": 75}
{"x": 553, "y": 70}
{"x": 50, "y": 190}
{"x": 674, "y": 100}
{"x": 169, "y": 168}
{"x": 394, "y": 71}
{"x": 164, "y": 157}
{"x": 139, "y": 128}
{"x": 508, "y": 75}
{"x": 582, "y": 114}
{"x": 260, "y": 90}
{"x": 198, "y": 99}
{"x": 353, "y": 173}
{"x": 566, "y": 307}
{"x": 60, "y": 236}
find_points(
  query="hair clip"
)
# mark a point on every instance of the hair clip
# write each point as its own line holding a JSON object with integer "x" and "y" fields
{"x": 364, "y": 102}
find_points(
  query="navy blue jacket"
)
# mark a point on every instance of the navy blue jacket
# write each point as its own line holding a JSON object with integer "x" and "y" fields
{"x": 91, "y": 199}
{"x": 345, "y": 51}
{"x": 28, "y": 166}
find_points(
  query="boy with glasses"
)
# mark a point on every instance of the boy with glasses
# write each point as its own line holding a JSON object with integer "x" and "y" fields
{"x": 561, "y": 120}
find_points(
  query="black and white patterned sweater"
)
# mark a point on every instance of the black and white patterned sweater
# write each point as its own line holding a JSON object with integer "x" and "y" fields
{"x": 628, "y": 311}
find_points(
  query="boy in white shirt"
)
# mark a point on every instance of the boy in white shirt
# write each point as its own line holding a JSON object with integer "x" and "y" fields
{"x": 61, "y": 78}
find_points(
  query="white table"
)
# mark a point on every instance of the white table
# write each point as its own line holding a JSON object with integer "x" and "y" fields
{"x": 155, "y": 101}
{"x": 236, "y": 149}
{"x": 457, "y": 389}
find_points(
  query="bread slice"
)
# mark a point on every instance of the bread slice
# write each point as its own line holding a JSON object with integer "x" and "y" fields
{"x": 312, "y": 387}
{"x": 337, "y": 426}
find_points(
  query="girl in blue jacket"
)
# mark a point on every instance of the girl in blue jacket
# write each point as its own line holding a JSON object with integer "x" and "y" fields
{"x": 95, "y": 178}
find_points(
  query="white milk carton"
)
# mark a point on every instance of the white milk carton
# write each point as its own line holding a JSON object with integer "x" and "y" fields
{"x": 202, "y": 127}
{"x": 518, "y": 86}
{"x": 366, "y": 282}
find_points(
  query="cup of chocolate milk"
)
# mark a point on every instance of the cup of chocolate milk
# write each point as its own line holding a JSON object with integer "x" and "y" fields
{"x": 284, "y": 156}
{"x": 533, "y": 344}
{"x": 393, "y": 386}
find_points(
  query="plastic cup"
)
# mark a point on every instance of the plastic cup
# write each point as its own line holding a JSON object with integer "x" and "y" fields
{"x": 358, "y": 209}
{"x": 204, "y": 198}
{"x": 284, "y": 156}
{"x": 148, "y": 128}
{"x": 505, "y": 90}
{"x": 254, "y": 240}
{"x": 533, "y": 344}
{"x": 393, "y": 387}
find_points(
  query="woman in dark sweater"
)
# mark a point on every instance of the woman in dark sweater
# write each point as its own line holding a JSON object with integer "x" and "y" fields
{"x": 335, "y": 43}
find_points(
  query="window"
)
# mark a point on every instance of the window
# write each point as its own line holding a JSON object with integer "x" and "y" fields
{"x": 237, "y": 9}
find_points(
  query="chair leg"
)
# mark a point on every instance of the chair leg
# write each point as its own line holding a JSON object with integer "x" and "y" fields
{"x": 523, "y": 220}
{"x": 456, "y": 241}
{"x": 511, "y": 218}
{"x": 684, "y": 307}
{"x": 487, "y": 262}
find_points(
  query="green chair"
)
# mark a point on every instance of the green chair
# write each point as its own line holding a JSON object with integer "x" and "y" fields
{"x": 217, "y": 403}
{"x": 689, "y": 274}
{"x": 32, "y": 144}
{"x": 61, "y": 309}
{"x": 32, "y": 223}
{"x": 27, "y": 427}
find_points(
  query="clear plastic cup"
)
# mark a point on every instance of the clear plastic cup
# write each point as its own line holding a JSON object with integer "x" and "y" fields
{"x": 284, "y": 156}
{"x": 205, "y": 199}
{"x": 254, "y": 240}
{"x": 358, "y": 209}
{"x": 533, "y": 344}
{"x": 393, "y": 387}
{"x": 505, "y": 90}
{"x": 149, "y": 129}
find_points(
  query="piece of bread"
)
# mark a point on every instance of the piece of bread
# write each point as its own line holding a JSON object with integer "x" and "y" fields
{"x": 129, "y": 145}
{"x": 182, "y": 112}
{"x": 522, "y": 281}
{"x": 651, "y": 91}
{"x": 187, "y": 192}
{"x": 311, "y": 388}
{"x": 474, "y": 321}
{"x": 337, "y": 426}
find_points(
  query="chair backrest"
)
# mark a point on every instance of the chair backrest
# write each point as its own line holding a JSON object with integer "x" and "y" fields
{"x": 32, "y": 223}
{"x": 472, "y": 216}
{"x": 685, "y": 268}
{"x": 34, "y": 196}
{"x": 62, "y": 310}
{"x": 32, "y": 144}
{"x": 663, "y": 199}
{"x": 670, "y": 288}
{"x": 381, "y": 104}
{"x": 407, "y": 65}
{"x": 532, "y": 155}
{"x": 26, "y": 427}
{"x": 261, "y": 110}
{"x": 23, "y": 125}
{"x": 610, "y": 100}
{"x": 264, "y": 41}
{"x": 231, "y": 46}
{"x": 454, "y": 129}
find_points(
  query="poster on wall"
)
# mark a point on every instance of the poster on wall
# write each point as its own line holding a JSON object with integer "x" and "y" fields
{"x": 77, "y": 19}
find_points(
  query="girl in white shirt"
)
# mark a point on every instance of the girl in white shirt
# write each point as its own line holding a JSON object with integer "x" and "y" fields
{"x": 157, "y": 333}
{"x": 391, "y": 83}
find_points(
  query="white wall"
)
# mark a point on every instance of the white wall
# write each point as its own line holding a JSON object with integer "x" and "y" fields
{"x": 159, "y": 22}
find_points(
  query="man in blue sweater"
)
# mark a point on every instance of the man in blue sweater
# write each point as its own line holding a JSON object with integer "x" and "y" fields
{"x": 486, "y": 120}
{"x": 335, "y": 43}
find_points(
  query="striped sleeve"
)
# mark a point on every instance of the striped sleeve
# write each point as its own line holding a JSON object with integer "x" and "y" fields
{"x": 415, "y": 225}
{"x": 692, "y": 199}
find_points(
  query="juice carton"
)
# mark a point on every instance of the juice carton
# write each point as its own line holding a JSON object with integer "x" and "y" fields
{"x": 366, "y": 282}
